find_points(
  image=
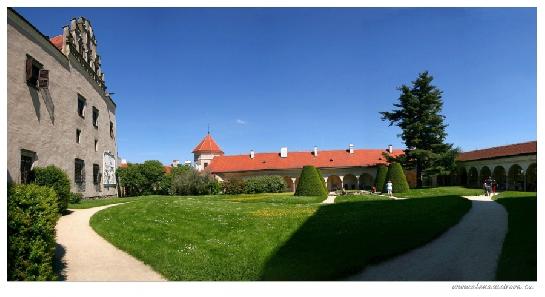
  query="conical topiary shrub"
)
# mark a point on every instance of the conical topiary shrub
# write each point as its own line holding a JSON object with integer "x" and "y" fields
{"x": 380, "y": 179}
{"x": 310, "y": 183}
{"x": 396, "y": 175}
{"x": 321, "y": 178}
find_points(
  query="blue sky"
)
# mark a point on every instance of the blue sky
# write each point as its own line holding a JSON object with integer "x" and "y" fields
{"x": 266, "y": 78}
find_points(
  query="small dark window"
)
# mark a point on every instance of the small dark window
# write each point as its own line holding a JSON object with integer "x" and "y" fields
{"x": 32, "y": 71}
{"x": 81, "y": 106}
{"x": 27, "y": 158}
{"x": 79, "y": 171}
{"x": 96, "y": 145}
{"x": 78, "y": 135}
{"x": 96, "y": 174}
{"x": 111, "y": 130}
{"x": 205, "y": 165}
{"x": 95, "y": 117}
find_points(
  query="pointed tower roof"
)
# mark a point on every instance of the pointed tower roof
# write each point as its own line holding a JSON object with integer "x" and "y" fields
{"x": 208, "y": 145}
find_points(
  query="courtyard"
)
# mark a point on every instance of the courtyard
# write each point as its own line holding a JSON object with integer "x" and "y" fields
{"x": 283, "y": 237}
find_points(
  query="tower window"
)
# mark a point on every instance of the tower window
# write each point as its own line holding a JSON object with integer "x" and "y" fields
{"x": 32, "y": 71}
{"x": 95, "y": 117}
{"x": 111, "y": 129}
{"x": 96, "y": 145}
{"x": 78, "y": 135}
{"x": 79, "y": 171}
{"x": 96, "y": 174}
{"x": 27, "y": 158}
{"x": 81, "y": 106}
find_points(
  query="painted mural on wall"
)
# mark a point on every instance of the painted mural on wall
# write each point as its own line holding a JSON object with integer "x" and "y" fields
{"x": 108, "y": 169}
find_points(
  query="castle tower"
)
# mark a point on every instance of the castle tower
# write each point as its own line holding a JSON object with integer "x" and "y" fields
{"x": 205, "y": 151}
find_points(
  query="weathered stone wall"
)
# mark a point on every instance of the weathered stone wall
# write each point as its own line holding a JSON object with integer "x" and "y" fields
{"x": 48, "y": 126}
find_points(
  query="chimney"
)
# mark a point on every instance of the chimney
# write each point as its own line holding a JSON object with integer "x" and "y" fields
{"x": 351, "y": 148}
{"x": 175, "y": 163}
{"x": 390, "y": 149}
{"x": 283, "y": 152}
{"x": 252, "y": 154}
{"x": 315, "y": 151}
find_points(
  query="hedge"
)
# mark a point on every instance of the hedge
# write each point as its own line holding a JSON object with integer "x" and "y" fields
{"x": 310, "y": 183}
{"x": 265, "y": 184}
{"x": 380, "y": 180}
{"x": 399, "y": 181}
{"x": 189, "y": 181}
{"x": 57, "y": 179}
{"x": 32, "y": 215}
{"x": 233, "y": 186}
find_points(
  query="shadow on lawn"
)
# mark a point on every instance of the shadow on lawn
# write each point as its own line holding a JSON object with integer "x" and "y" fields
{"x": 341, "y": 239}
{"x": 518, "y": 260}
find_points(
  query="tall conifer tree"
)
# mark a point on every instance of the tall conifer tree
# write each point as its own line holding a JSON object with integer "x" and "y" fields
{"x": 418, "y": 114}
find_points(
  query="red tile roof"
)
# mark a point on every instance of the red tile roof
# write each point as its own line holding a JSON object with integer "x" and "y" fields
{"x": 208, "y": 145}
{"x": 57, "y": 41}
{"x": 296, "y": 160}
{"x": 500, "y": 151}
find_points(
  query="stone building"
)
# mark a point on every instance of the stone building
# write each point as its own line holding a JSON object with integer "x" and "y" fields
{"x": 349, "y": 169}
{"x": 58, "y": 110}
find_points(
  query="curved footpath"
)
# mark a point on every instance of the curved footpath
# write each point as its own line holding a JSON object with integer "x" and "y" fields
{"x": 82, "y": 255}
{"x": 468, "y": 251}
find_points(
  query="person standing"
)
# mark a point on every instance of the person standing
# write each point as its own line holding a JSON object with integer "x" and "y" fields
{"x": 389, "y": 188}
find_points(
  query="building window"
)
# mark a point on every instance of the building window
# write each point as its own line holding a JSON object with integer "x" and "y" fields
{"x": 78, "y": 135}
{"x": 96, "y": 174}
{"x": 79, "y": 171}
{"x": 205, "y": 165}
{"x": 96, "y": 145}
{"x": 32, "y": 71}
{"x": 111, "y": 129}
{"x": 81, "y": 106}
{"x": 95, "y": 117}
{"x": 27, "y": 159}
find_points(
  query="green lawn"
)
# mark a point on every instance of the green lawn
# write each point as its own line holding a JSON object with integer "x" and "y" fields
{"x": 88, "y": 203}
{"x": 440, "y": 191}
{"x": 245, "y": 198}
{"x": 355, "y": 198}
{"x": 270, "y": 237}
{"x": 518, "y": 260}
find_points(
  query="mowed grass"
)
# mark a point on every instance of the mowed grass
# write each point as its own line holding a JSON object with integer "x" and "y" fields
{"x": 440, "y": 191}
{"x": 518, "y": 260}
{"x": 88, "y": 203}
{"x": 250, "y": 198}
{"x": 363, "y": 197}
{"x": 267, "y": 237}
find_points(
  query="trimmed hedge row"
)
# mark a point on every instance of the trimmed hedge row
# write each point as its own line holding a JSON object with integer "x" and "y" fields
{"x": 397, "y": 176}
{"x": 254, "y": 185}
{"x": 32, "y": 215}
{"x": 311, "y": 183}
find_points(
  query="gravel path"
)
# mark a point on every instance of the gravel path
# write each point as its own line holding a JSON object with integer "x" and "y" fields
{"x": 469, "y": 251}
{"x": 330, "y": 199}
{"x": 82, "y": 255}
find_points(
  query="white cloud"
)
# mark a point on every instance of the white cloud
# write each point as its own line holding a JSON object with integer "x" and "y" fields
{"x": 241, "y": 122}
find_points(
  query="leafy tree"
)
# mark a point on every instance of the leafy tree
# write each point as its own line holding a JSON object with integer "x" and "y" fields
{"x": 418, "y": 114}
{"x": 132, "y": 180}
{"x": 153, "y": 172}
